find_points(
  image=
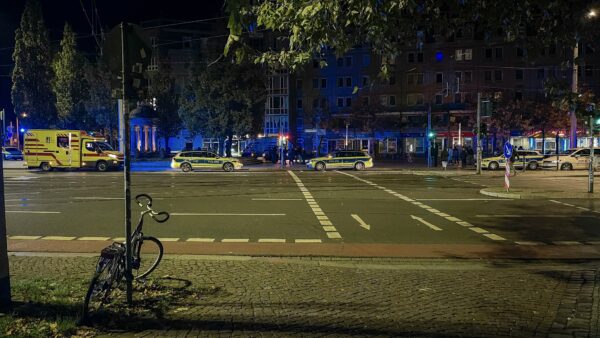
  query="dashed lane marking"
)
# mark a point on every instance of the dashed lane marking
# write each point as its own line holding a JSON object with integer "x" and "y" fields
{"x": 204, "y": 240}
{"x": 24, "y": 237}
{"x": 277, "y": 199}
{"x": 494, "y": 237}
{"x": 567, "y": 243}
{"x": 450, "y": 218}
{"x": 465, "y": 199}
{"x": 431, "y": 226}
{"x": 328, "y": 227}
{"x": 479, "y": 230}
{"x": 535, "y": 216}
{"x": 32, "y": 212}
{"x": 271, "y": 240}
{"x": 530, "y": 243}
{"x": 58, "y": 238}
{"x": 169, "y": 239}
{"x": 219, "y": 214}
{"x": 235, "y": 240}
{"x": 307, "y": 241}
{"x": 93, "y": 238}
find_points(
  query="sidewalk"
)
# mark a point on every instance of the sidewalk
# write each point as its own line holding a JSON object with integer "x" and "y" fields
{"x": 540, "y": 185}
{"x": 199, "y": 296}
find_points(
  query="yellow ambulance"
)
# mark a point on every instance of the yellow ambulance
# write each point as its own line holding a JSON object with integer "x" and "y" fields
{"x": 49, "y": 149}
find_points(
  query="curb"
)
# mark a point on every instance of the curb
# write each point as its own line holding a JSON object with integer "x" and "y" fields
{"x": 531, "y": 196}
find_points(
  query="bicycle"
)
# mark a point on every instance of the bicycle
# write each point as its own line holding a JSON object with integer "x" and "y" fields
{"x": 110, "y": 269}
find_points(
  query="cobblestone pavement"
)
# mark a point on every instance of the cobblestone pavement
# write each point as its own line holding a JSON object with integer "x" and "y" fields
{"x": 244, "y": 296}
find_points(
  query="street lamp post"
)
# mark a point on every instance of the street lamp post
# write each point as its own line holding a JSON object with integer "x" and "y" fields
{"x": 346, "y": 143}
{"x": 23, "y": 115}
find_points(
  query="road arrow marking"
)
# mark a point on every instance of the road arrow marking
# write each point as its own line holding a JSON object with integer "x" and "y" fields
{"x": 433, "y": 227}
{"x": 361, "y": 222}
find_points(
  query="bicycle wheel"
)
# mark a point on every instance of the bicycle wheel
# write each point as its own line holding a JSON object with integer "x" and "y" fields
{"x": 107, "y": 275}
{"x": 149, "y": 253}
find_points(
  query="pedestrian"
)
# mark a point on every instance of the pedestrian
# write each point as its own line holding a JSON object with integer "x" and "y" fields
{"x": 445, "y": 158}
{"x": 290, "y": 156}
{"x": 434, "y": 155}
{"x": 470, "y": 157}
{"x": 463, "y": 158}
{"x": 455, "y": 155}
{"x": 450, "y": 156}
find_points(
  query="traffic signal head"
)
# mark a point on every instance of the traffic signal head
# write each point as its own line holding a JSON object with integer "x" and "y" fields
{"x": 431, "y": 134}
{"x": 597, "y": 121}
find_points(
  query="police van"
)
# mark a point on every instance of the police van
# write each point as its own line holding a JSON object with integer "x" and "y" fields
{"x": 49, "y": 149}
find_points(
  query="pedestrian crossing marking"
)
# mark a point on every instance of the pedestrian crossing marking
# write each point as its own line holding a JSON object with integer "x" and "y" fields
{"x": 316, "y": 209}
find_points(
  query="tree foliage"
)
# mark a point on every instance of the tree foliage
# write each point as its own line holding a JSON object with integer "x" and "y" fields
{"x": 69, "y": 84}
{"x": 99, "y": 104}
{"x": 306, "y": 27}
{"x": 31, "y": 92}
{"x": 225, "y": 99}
{"x": 163, "y": 90}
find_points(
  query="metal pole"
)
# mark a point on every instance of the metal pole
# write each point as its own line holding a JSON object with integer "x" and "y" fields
{"x": 346, "y": 145}
{"x": 591, "y": 166}
{"x": 127, "y": 169}
{"x": 574, "y": 89}
{"x": 3, "y": 127}
{"x": 18, "y": 134}
{"x": 427, "y": 136}
{"x": 478, "y": 133}
{"x": 5, "y": 298}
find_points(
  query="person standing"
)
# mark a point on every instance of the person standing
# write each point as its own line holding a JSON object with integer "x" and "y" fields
{"x": 455, "y": 155}
{"x": 463, "y": 158}
{"x": 450, "y": 156}
{"x": 444, "y": 158}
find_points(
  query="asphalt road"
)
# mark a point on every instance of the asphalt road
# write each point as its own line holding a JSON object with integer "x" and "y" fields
{"x": 294, "y": 207}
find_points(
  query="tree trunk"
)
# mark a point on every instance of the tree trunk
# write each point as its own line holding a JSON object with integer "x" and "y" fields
{"x": 319, "y": 145}
{"x": 228, "y": 144}
{"x": 543, "y": 141}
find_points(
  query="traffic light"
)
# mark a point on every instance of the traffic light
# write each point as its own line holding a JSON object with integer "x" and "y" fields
{"x": 431, "y": 134}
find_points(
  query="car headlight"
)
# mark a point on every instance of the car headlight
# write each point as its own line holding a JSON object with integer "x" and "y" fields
{"x": 112, "y": 156}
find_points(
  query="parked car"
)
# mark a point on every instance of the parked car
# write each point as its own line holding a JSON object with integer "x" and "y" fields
{"x": 358, "y": 160}
{"x": 531, "y": 158}
{"x": 578, "y": 158}
{"x": 12, "y": 153}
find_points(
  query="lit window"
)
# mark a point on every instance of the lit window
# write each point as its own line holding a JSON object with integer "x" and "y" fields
{"x": 468, "y": 54}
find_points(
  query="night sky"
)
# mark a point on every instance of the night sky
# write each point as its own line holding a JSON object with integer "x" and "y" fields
{"x": 111, "y": 12}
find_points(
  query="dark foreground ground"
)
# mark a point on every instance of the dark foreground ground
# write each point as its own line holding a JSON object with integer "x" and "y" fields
{"x": 243, "y": 296}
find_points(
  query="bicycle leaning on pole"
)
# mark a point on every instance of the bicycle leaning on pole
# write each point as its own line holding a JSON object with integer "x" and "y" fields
{"x": 110, "y": 270}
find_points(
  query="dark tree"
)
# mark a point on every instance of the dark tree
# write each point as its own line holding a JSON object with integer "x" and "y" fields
{"x": 32, "y": 73}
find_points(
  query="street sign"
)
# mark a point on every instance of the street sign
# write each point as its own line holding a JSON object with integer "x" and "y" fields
{"x": 137, "y": 54}
{"x": 508, "y": 150}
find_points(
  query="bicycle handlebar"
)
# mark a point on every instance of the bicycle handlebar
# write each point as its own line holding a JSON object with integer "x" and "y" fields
{"x": 159, "y": 217}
